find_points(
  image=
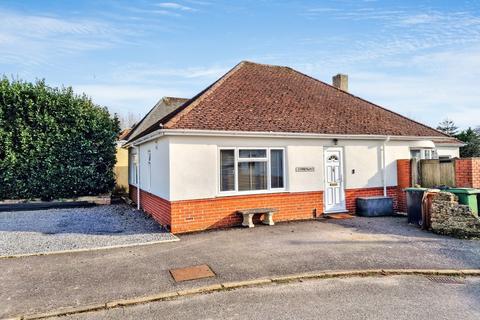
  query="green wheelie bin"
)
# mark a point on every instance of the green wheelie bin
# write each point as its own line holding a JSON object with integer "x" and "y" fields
{"x": 467, "y": 196}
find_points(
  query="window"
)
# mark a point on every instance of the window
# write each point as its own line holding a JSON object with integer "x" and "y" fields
{"x": 276, "y": 168}
{"x": 333, "y": 158}
{"x": 134, "y": 169}
{"x": 227, "y": 170}
{"x": 423, "y": 154}
{"x": 429, "y": 154}
{"x": 149, "y": 168}
{"x": 415, "y": 154}
{"x": 251, "y": 169}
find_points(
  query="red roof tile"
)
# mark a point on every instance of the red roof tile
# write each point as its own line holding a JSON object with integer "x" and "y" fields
{"x": 264, "y": 98}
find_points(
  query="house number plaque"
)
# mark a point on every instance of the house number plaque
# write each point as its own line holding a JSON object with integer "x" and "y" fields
{"x": 305, "y": 169}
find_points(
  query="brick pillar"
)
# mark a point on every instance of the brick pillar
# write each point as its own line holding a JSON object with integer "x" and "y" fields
{"x": 132, "y": 190}
{"x": 404, "y": 174}
{"x": 467, "y": 173}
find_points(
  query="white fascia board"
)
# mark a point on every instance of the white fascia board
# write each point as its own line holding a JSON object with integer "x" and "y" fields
{"x": 153, "y": 135}
{"x": 291, "y": 135}
{"x": 457, "y": 145}
{"x": 260, "y": 134}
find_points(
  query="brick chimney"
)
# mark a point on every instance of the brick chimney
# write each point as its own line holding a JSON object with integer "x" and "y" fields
{"x": 340, "y": 81}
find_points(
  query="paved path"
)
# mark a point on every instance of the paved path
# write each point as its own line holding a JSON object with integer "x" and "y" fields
{"x": 42, "y": 283}
{"x": 396, "y": 298}
{"x": 26, "y": 232}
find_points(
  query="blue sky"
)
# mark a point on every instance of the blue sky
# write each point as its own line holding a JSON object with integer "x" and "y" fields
{"x": 419, "y": 58}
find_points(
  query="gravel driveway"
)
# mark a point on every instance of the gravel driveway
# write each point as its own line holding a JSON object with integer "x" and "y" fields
{"x": 26, "y": 232}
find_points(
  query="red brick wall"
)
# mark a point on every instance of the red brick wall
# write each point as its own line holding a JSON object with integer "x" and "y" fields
{"x": 467, "y": 172}
{"x": 351, "y": 196}
{"x": 404, "y": 173}
{"x": 195, "y": 215}
{"x": 202, "y": 214}
{"x": 159, "y": 208}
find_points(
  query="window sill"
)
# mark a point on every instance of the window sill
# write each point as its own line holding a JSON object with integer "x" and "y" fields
{"x": 250, "y": 193}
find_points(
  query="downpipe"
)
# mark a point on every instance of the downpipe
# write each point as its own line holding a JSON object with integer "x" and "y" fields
{"x": 384, "y": 162}
{"x": 138, "y": 176}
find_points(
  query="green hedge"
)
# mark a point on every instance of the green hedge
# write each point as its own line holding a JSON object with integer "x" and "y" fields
{"x": 53, "y": 143}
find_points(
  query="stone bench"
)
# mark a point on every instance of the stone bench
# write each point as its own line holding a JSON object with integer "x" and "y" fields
{"x": 249, "y": 213}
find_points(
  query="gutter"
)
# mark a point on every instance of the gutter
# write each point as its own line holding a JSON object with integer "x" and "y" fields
{"x": 384, "y": 162}
{"x": 259, "y": 134}
{"x": 138, "y": 176}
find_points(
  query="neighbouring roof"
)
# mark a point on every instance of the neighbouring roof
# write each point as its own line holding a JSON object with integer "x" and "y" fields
{"x": 162, "y": 108}
{"x": 266, "y": 98}
{"x": 448, "y": 142}
{"x": 124, "y": 133}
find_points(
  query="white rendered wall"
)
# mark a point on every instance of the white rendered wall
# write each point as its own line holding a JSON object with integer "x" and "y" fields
{"x": 194, "y": 163}
{"x": 155, "y": 178}
{"x": 453, "y": 152}
{"x": 365, "y": 158}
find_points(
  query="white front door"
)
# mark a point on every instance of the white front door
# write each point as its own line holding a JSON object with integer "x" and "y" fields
{"x": 334, "y": 197}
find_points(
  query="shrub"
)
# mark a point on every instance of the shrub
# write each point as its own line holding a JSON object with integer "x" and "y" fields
{"x": 53, "y": 143}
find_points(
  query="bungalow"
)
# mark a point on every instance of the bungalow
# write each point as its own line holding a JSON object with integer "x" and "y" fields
{"x": 270, "y": 136}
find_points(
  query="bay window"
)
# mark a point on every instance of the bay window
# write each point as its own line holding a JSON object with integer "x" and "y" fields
{"x": 251, "y": 169}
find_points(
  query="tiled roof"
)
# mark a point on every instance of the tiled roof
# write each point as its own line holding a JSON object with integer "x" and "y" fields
{"x": 124, "y": 133}
{"x": 162, "y": 108}
{"x": 257, "y": 97}
{"x": 265, "y": 98}
{"x": 448, "y": 141}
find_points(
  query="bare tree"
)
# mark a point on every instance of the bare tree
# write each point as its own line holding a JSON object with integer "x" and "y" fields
{"x": 129, "y": 120}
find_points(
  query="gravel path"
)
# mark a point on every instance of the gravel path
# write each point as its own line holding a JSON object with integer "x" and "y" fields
{"x": 26, "y": 232}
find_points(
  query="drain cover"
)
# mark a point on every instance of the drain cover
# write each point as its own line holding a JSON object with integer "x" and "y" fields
{"x": 446, "y": 280}
{"x": 192, "y": 273}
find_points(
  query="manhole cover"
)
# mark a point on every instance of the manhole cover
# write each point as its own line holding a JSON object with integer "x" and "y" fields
{"x": 192, "y": 273}
{"x": 446, "y": 280}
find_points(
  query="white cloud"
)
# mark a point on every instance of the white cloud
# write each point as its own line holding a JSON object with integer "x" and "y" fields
{"x": 148, "y": 73}
{"x": 419, "y": 19}
{"x": 40, "y": 39}
{"x": 126, "y": 98}
{"x": 434, "y": 86}
{"x": 175, "y": 6}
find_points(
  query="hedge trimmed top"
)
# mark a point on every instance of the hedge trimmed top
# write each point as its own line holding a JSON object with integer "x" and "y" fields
{"x": 53, "y": 143}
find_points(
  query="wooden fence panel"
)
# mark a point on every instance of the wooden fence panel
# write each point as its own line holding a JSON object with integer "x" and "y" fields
{"x": 430, "y": 173}
{"x": 435, "y": 173}
{"x": 447, "y": 173}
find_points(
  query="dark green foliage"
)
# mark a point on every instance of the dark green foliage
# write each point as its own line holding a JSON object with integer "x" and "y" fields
{"x": 53, "y": 143}
{"x": 472, "y": 140}
{"x": 448, "y": 126}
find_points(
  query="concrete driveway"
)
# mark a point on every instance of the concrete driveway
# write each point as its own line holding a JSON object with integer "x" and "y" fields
{"x": 42, "y": 283}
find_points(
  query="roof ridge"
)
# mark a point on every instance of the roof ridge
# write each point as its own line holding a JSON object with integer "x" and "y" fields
{"x": 149, "y": 112}
{"x": 170, "y": 97}
{"x": 369, "y": 102}
{"x": 264, "y": 64}
{"x": 192, "y": 103}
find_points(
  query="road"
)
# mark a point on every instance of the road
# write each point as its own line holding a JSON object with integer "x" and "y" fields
{"x": 45, "y": 283}
{"x": 399, "y": 297}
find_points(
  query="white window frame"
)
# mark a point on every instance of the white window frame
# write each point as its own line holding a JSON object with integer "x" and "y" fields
{"x": 237, "y": 159}
{"x": 149, "y": 166}
{"x": 432, "y": 153}
{"x": 134, "y": 171}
